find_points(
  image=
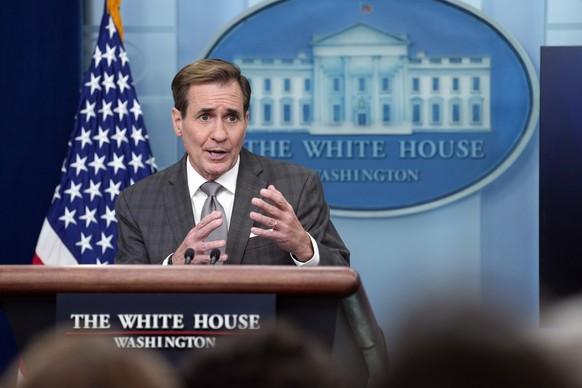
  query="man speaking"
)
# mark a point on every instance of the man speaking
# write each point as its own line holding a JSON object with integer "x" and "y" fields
{"x": 221, "y": 203}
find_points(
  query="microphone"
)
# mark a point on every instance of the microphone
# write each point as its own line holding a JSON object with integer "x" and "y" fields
{"x": 214, "y": 255}
{"x": 189, "y": 255}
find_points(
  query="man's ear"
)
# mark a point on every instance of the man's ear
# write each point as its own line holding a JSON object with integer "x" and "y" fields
{"x": 177, "y": 121}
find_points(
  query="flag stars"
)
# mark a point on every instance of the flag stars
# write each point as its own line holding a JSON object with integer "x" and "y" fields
{"x": 94, "y": 83}
{"x": 94, "y": 190}
{"x": 110, "y": 54}
{"x": 98, "y": 164}
{"x": 136, "y": 162}
{"x": 152, "y": 162}
{"x": 122, "y": 82}
{"x": 111, "y": 28}
{"x": 137, "y": 135}
{"x": 102, "y": 137}
{"x": 121, "y": 109}
{"x": 109, "y": 216}
{"x": 64, "y": 166}
{"x": 117, "y": 163}
{"x": 136, "y": 109}
{"x": 57, "y": 194}
{"x": 84, "y": 138}
{"x": 88, "y": 111}
{"x": 84, "y": 243}
{"x": 74, "y": 191}
{"x": 68, "y": 217}
{"x": 79, "y": 164}
{"x": 123, "y": 56}
{"x": 105, "y": 242}
{"x": 97, "y": 56}
{"x": 113, "y": 190}
{"x": 119, "y": 136}
{"x": 108, "y": 82}
{"x": 89, "y": 216}
{"x": 106, "y": 110}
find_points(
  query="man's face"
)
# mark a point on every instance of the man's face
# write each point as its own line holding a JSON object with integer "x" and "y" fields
{"x": 213, "y": 128}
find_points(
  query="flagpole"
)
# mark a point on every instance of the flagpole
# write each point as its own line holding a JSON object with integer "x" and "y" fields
{"x": 113, "y": 10}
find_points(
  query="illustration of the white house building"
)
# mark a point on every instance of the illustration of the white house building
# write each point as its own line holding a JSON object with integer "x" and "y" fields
{"x": 362, "y": 80}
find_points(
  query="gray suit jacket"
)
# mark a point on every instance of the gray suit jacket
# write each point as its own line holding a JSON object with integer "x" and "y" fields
{"x": 155, "y": 214}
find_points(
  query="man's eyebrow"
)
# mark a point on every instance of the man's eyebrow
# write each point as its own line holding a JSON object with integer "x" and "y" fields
{"x": 230, "y": 111}
{"x": 233, "y": 112}
{"x": 205, "y": 110}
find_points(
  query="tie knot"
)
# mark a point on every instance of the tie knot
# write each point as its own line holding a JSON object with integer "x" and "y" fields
{"x": 210, "y": 188}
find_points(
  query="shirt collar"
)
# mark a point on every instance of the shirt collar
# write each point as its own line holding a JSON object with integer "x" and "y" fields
{"x": 227, "y": 180}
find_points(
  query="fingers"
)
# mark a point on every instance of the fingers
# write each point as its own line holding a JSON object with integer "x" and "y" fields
{"x": 204, "y": 259}
{"x": 277, "y": 201}
{"x": 277, "y": 215}
{"x": 202, "y": 255}
{"x": 281, "y": 222}
{"x": 208, "y": 224}
{"x": 274, "y": 206}
{"x": 268, "y": 221}
{"x": 195, "y": 240}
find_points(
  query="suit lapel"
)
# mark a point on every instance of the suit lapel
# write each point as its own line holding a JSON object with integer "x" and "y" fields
{"x": 248, "y": 186}
{"x": 177, "y": 202}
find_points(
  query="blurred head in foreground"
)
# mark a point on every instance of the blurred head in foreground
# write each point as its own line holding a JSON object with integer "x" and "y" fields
{"x": 561, "y": 334}
{"x": 92, "y": 362}
{"x": 465, "y": 347}
{"x": 274, "y": 357}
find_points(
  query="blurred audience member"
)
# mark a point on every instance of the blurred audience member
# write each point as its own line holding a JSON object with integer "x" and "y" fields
{"x": 275, "y": 357}
{"x": 464, "y": 347}
{"x": 92, "y": 362}
{"x": 561, "y": 335}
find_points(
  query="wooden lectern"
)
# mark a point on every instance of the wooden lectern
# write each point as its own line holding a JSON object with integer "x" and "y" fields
{"x": 329, "y": 302}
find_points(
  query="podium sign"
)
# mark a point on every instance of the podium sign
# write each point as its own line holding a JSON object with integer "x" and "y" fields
{"x": 171, "y": 323}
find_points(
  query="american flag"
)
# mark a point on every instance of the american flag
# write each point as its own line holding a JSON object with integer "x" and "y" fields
{"x": 108, "y": 150}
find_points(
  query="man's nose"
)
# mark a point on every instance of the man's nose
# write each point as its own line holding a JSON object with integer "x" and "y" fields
{"x": 219, "y": 131}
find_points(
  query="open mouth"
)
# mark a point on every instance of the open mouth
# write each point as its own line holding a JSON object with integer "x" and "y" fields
{"x": 216, "y": 154}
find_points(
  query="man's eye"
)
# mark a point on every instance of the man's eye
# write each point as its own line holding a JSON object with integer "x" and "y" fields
{"x": 232, "y": 119}
{"x": 204, "y": 117}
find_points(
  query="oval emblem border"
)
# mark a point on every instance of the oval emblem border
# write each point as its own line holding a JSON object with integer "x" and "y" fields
{"x": 521, "y": 141}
